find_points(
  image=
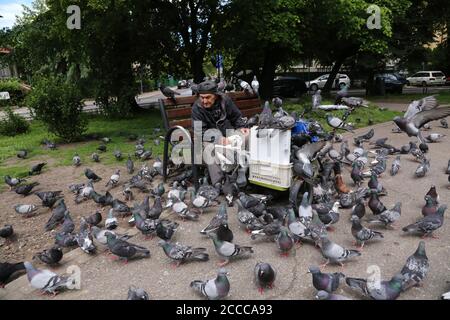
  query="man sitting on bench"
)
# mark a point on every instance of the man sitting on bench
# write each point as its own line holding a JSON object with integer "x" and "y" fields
{"x": 217, "y": 111}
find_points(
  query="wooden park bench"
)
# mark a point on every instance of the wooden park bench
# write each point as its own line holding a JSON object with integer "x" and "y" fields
{"x": 177, "y": 115}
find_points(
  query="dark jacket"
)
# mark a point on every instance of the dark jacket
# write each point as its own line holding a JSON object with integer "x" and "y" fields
{"x": 223, "y": 115}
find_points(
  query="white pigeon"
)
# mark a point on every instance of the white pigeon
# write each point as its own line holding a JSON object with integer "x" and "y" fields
{"x": 255, "y": 85}
{"x": 424, "y": 104}
{"x": 245, "y": 86}
{"x": 111, "y": 220}
{"x": 114, "y": 180}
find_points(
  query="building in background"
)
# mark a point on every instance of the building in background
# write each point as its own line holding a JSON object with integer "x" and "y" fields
{"x": 8, "y": 71}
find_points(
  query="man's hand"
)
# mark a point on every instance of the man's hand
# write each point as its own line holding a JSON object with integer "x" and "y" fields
{"x": 245, "y": 131}
{"x": 224, "y": 141}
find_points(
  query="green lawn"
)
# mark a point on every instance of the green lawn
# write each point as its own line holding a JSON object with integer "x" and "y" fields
{"x": 443, "y": 97}
{"x": 141, "y": 124}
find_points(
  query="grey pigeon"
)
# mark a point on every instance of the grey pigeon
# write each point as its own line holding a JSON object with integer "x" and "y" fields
{"x": 165, "y": 229}
{"x": 95, "y": 157}
{"x": 337, "y": 123}
{"x": 22, "y": 154}
{"x": 91, "y": 175}
{"x": 428, "y": 224}
{"x": 444, "y": 123}
{"x": 47, "y": 281}
{"x": 284, "y": 241}
{"x": 213, "y": 289}
{"x": 130, "y": 165}
{"x": 13, "y": 182}
{"x": 58, "y": 214}
{"x": 137, "y": 294}
{"x": 430, "y": 206}
{"x": 65, "y": 240}
{"x": 416, "y": 268}
{"x": 416, "y": 106}
{"x": 363, "y": 234}
{"x": 335, "y": 253}
{"x": 395, "y": 166}
{"x": 423, "y": 169}
{"x": 26, "y": 210}
{"x": 220, "y": 218}
{"x": 84, "y": 238}
{"x": 111, "y": 220}
{"x": 383, "y": 290}
{"x": 389, "y": 216}
{"x": 6, "y": 232}
{"x": 114, "y": 180}
{"x": 375, "y": 204}
{"x": 411, "y": 125}
{"x": 25, "y": 189}
{"x": 76, "y": 160}
{"x": 118, "y": 155}
{"x": 228, "y": 250}
{"x": 36, "y": 169}
{"x": 67, "y": 226}
{"x": 124, "y": 249}
{"x": 181, "y": 254}
{"x": 328, "y": 282}
{"x": 49, "y": 198}
{"x": 265, "y": 276}
{"x": 167, "y": 92}
{"x": 146, "y": 226}
{"x": 94, "y": 219}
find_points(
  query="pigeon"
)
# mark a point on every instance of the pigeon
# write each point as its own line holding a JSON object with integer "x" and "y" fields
{"x": 265, "y": 276}
{"x": 395, "y": 166}
{"x": 102, "y": 148}
{"x": 433, "y": 194}
{"x": 247, "y": 219}
{"x": 334, "y": 253}
{"x": 6, "y": 232}
{"x": 13, "y": 182}
{"x": 168, "y": 93}
{"x": 389, "y": 216}
{"x": 416, "y": 268}
{"x": 146, "y": 226}
{"x": 27, "y": 210}
{"x": 130, "y": 165}
{"x": 356, "y": 174}
{"x": 182, "y": 210}
{"x": 224, "y": 233}
{"x": 444, "y": 123}
{"x": 270, "y": 231}
{"x": 219, "y": 219}
{"x": 428, "y": 224}
{"x": 265, "y": 118}
{"x": 36, "y": 169}
{"x": 84, "y": 238}
{"x": 124, "y": 249}
{"x": 448, "y": 168}
{"x": 57, "y": 217}
{"x": 94, "y": 219}
{"x": 51, "y": 256}
{"x": 91, "y": 175}
{"x": 375, "y": 184}
{"x": 227, "y": 249}
{"x": 159, "y": 190}
{"x": 49, "y": 144}
{"x": 102, "y": 200}
{"x": 120, "y": 208}
{"x": 114, "y": 180}
{"x": 337, "y": 123}
{"x": 22, "y": 154}
{"x": 255, "y": 85}
{"x": 245, "y": 86}
{"x": 375, "y": 205}
{"x": 416, "y": 106}
{"x": 128, "y": 193}
{"x": 305, "y": 155}
{"x": 214, "y": 289}
{"x": 95, "y": 157}
{"x": 118, "y": 155}
{"x": 363, "y": 234}
{"x": 424, "y": 148}
{"x": 359, "y": 209}
{"x": 67, "y": 225}
{"x": 364, "y": 138}
{"x": 411, "y": 125}
{"x": 330, "y": 217}
{"x": 341, "y": 94}
{"x": 26, "y": 188}
{"x": 76, "y": 160}
{"x": 328, "y": 282}
{"x": 430, "y": 206}
{"x": 9, "y": 271}
{"x": 423, "y": 169}
{"x": 208, "y": 191}
{"x": 49, "y": 198}
{"x": 434, "y": 137}
{"x": 383, "y": 290}
{"x": 47, "y": 281}
{"x": 106, "y": 140}
{"x": 65, "y": 240}
{"x": 317, "y": 99}
{"x": 181, "y": 254}
{"x": 284, "y": 241}
{"x": 165, "y": 229}
{"x": 111, "y": 220}
{"x": 199, "y": 202}
{"x": 323, "y": 295}
{"x": 137, "y": 294}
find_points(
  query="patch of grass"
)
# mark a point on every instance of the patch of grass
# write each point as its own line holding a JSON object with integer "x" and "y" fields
{"x": 141, "y": 124}
{"x": 443, "y": 97}
{"x": 361, "y": 117}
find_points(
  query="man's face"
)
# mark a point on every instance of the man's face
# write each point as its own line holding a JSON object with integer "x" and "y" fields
{"x": 208, "y": 100}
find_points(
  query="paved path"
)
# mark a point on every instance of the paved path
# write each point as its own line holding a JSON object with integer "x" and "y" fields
{"x": 102, "y": 278}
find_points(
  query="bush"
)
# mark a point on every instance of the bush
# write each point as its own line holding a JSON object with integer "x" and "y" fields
{"x": 13, "y": 124}
{"x": 58, "y": 104}
{"x": 15, "y": 92}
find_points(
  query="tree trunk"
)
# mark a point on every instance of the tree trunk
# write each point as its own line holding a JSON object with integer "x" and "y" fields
{"x": 334, "y": 71}
{"x": 370, "y": 83}
{"x": 267, "y": 75}
{"x": 197, "y": 67}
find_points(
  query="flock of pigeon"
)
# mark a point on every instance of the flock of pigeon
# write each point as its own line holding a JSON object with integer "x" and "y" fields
{"x": 318, "y": 182}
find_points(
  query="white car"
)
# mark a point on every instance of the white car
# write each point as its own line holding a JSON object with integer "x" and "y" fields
{"x": 427, "y": 78}
{"x": 319, "y": 83}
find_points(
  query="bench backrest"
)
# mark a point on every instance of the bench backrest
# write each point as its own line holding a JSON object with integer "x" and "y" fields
{"x": 179, "y": 113}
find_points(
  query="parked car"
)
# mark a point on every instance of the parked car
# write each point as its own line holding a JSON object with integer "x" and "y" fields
{"x": 183, "y": 84}
{"x": 391, "y": 82}
{"x": 400, "y": 78}
{"x": 289, "y": 87}
{"x": 319, "y": 82}
{"x": 427, "y": 78}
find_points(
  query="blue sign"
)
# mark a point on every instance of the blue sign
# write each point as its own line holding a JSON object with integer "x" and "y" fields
{"x": 219, "y": 63}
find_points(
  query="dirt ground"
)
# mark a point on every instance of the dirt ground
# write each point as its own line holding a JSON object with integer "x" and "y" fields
{"x": 106, "y": 279}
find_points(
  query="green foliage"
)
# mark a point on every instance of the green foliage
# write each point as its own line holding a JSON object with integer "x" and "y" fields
{"x": 13, "y": 87}
{"x": 58, "y": 104}
{"x": 13, "y": 124}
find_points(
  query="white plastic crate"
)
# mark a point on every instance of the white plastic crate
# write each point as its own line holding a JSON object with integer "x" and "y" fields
{"x": 271, "y": 175}
{"x": 272, "y": 146}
